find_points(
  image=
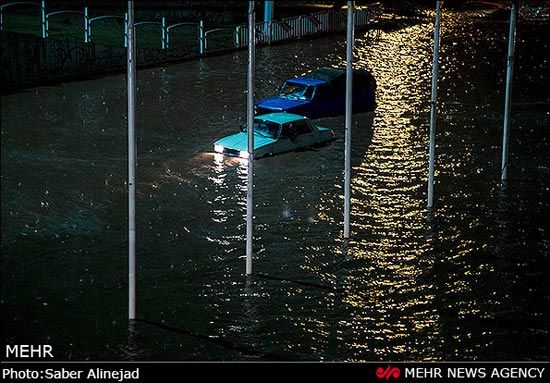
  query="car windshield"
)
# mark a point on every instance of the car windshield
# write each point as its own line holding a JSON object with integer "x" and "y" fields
{"x": 265, "y": 128}
{"x": 295, "y": 91}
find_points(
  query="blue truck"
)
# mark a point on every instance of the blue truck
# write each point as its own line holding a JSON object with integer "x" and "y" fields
{"x": 322, "y": 93}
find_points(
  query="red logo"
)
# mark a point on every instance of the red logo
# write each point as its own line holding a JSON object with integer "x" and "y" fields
{"x": 388, "y": 372}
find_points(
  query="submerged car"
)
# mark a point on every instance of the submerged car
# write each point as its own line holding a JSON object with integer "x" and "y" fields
{"x": 275, "y": 133}
{"x": 322, "y": 93}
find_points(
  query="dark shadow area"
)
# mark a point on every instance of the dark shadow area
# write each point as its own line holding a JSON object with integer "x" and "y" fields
{"x": 217, "y": 341}
{"x": 301, "y": 283}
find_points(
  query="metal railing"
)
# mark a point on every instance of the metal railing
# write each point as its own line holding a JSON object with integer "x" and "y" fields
{"x": 266, "y": 32}
{"x": 84, "y": 15}
{"x": 200, "y": 30}
{"x": 42, "y": 6}
{"x": 298, "y": 26}
{"x": 163, "y": 33}
{"x": 322, "y": 18}
{"x": 105, "y": 17}
{"x": 204, "y": 45}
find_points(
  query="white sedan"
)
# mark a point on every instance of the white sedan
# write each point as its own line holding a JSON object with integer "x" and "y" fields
{"x": 275, "y": 133}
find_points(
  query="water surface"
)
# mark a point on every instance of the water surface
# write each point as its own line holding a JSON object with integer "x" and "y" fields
{"x": 468, "y": 280}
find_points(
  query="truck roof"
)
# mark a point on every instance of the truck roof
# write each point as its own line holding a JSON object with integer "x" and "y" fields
{"x": 308, "y": 81}
{"x": 336, "y": 77}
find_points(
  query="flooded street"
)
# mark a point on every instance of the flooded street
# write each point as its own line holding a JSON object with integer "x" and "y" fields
{"x": 466, "y": 281}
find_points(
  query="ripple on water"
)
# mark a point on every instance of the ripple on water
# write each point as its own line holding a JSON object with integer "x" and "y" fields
{"x": 464, "y": 281}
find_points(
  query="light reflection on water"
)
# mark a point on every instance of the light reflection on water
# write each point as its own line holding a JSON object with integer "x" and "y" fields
{"x": 389, "y": 206}
{"x": 462, "y": 282}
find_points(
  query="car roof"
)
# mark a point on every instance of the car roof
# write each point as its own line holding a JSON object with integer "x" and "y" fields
{"x": 307, "y": 81}
{"x": 280, "y": 118}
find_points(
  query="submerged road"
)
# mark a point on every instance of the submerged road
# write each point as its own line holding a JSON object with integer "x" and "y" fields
{"x": 466, "y": 282}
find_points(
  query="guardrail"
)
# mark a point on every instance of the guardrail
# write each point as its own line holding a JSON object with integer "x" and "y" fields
{"x": 84, "y": 15}
{"x": 162, "y": 24}
{"x": 200, "y": 33}
{"x": 105, "y": 17}
{"x": 298, "y": 26}
{"x": 204, "y": 45}
{"x": 266, "y": 32}
{"x": 42, "y": 6}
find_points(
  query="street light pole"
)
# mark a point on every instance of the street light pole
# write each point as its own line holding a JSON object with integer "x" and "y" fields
{"x": 250, "y": 124}
{"x": 131, "y": 68}
{"x": 508, "y": 99}
{"x": 348, "y": 111}
{"x": 433, "y": 106}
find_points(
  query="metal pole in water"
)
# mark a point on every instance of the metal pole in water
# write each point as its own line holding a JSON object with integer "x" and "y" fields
{"x": 433, "y": 106}
{"x": 508, "y": 98}
{"x": 250, "y": 125}
{"x": 131, "y": 66}
{"x": 347, "y": 150}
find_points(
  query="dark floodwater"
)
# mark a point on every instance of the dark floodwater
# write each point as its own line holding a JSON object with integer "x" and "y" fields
{"x": 469, "y": 281}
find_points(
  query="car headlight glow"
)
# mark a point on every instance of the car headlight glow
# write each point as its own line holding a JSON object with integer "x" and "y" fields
{"x": 243, "y": 154}
{"x": 218, "y": 148}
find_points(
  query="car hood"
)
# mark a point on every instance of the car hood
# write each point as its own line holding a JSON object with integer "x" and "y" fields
{"x": 280, "y": 103}
{"x": 239, "y": 141}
